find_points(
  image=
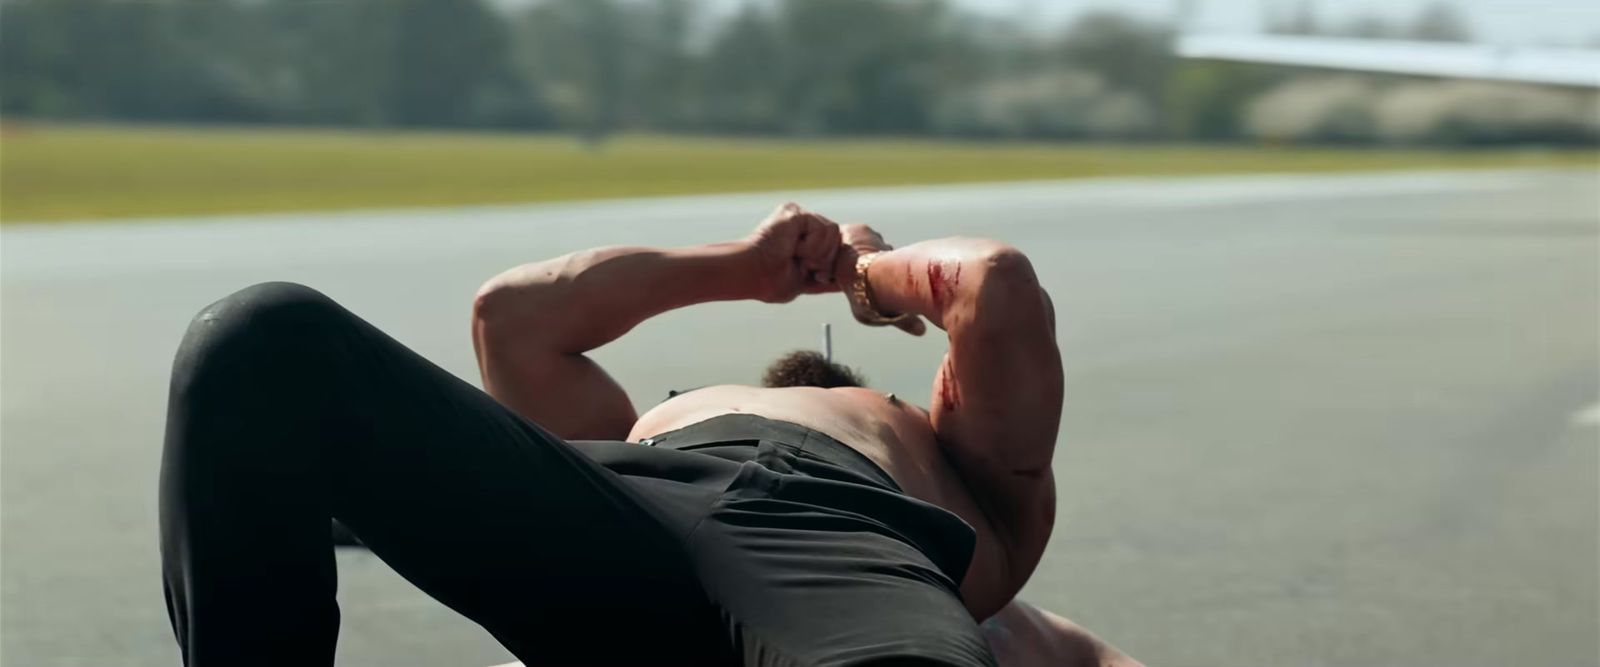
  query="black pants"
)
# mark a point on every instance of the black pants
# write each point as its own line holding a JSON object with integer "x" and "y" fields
{"x": 736, "y": 541}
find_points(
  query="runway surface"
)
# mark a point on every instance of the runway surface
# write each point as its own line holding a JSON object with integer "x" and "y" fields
{"x": 1310, "y": 420}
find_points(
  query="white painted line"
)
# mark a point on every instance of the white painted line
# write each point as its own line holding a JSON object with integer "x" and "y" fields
{"x": 1587, "y": 417}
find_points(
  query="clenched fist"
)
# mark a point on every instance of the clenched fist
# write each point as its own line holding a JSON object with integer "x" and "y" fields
{"x": 794, "y": 250}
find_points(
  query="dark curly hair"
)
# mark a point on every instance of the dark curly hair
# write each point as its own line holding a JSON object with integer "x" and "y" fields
{"x": 807, "y": 368}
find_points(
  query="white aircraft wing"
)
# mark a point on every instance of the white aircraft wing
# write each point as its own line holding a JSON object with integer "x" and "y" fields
{"x": 1558, "y": 67}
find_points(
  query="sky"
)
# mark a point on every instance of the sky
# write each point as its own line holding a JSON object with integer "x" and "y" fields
{"x": 1501, "y": 22}
{"x": 1498, "y": 22}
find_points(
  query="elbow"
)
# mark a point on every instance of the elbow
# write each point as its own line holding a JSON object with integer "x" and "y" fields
{"x": 1007, "y": 265}
{"x": 512, "y": 299}
{"x": 486, "y": 332}
{"x": 1006, "y": 297}
{"x": 507, "y": 300}
{"x": 511, "y": 314}
{"x": 500, "y": 313}
{"x": 1008, "y": 278}
{"x": 489, "y": 308}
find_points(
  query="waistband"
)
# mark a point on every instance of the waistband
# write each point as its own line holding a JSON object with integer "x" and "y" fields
{"x": 744, "y": 429}
{"x": 942, "y": 536}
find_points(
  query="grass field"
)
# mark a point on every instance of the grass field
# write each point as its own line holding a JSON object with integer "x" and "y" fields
{"x": 91, "y": 172}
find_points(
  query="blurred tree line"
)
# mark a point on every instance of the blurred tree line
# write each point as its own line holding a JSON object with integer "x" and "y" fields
{"x": 783, "y": 67}
{"x": 1353, "y": 108}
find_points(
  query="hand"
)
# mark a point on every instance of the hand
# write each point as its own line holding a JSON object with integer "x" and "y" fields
{"x": 863, "y": 239}
{"x": 859, "y": 240}
{"x": 795, "y": 252}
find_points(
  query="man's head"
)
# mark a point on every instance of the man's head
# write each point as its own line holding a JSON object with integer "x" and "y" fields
{"x": 807, "y": 368}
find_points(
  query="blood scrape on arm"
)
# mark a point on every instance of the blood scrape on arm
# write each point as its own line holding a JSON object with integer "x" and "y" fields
{"x": 996, "y": 403}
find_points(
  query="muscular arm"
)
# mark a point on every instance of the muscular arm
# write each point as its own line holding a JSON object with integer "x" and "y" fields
{"x": 997, "y": 396}
{"x": 531, "y": 326}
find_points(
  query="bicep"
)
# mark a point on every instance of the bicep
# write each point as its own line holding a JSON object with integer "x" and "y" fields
{"x": 567, "y": 394}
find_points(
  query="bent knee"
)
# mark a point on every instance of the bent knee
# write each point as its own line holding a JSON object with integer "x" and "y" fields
{"x": 274, "y": 307}
{"x": 261, "y": 325}
{"x": 265, "y": 303}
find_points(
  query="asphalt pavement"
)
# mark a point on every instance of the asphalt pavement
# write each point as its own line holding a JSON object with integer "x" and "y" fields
{"x": 1310, "y": 420}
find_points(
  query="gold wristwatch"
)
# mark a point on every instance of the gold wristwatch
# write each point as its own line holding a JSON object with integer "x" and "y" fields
{"x": 860, "y": 297}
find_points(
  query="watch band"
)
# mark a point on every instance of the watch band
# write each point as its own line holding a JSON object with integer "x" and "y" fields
{"x": 860, "y": 296}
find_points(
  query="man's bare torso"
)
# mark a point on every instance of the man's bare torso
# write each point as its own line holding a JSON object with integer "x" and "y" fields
{"x": 893, "y": 433}
{"x": 997, "y": 392}
{"x": 983, "y": 450}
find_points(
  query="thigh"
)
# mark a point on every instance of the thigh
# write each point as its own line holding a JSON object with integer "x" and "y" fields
{"x": 554, "y": 554}
{"x": 805, "y": 585}
{"x": 482, "y": 509}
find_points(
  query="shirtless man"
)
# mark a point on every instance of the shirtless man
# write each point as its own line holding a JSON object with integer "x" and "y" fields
{"x": 794, "y": 525}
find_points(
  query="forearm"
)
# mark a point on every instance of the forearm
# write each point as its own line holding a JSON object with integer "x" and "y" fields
{"x": 580, "y": 301}
{"x": 940, "y": 280}
{"x": 1002, "y": 363}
